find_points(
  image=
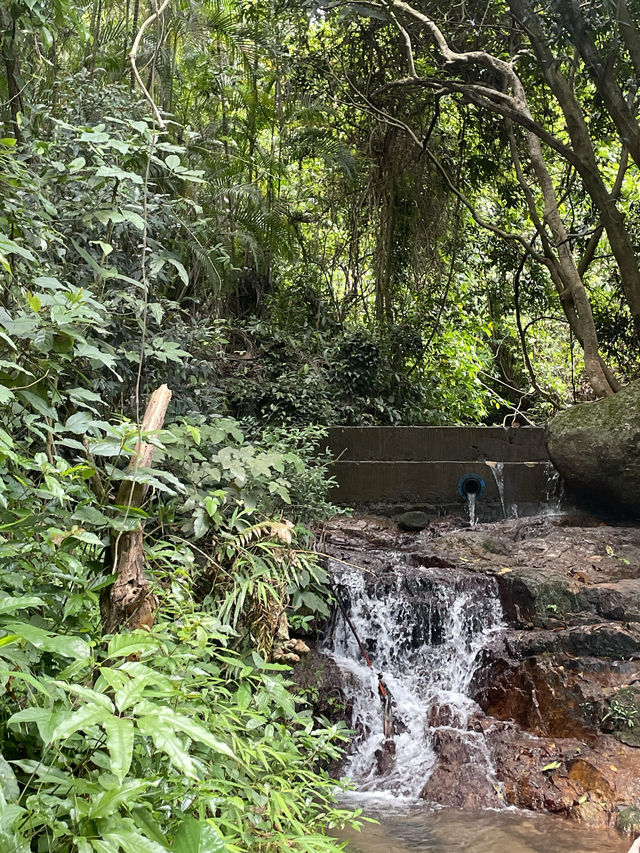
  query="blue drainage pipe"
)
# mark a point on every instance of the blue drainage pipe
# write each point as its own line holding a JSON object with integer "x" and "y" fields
{"x": 470, "y": 484}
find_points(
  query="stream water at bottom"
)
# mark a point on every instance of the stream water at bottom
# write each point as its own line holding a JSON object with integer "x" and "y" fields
{"x": 407, "y": 643}
{"x": 453, "y": 831}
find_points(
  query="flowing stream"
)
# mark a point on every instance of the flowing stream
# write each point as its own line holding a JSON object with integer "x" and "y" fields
{"x": 422, "y": 632}
{"x": 452, "y": 831}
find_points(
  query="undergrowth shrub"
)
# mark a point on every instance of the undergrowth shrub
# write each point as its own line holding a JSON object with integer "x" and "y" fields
{"x": 183, "y": 738}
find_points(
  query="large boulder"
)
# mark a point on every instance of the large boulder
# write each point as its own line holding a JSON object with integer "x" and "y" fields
{"x": 596, "y": 448}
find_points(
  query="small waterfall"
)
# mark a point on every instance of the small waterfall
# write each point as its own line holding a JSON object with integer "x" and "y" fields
{"x": 554, "y": 496}
{"x": 471, "y": 506}
{"x": 423, "y": 630}
{"x": 497, "y": 469}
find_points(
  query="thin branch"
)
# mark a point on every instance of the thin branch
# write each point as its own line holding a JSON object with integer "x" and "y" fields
{"x": 493, "y": 100}
{"x": 522, "y": 335}
{"x": 489, "y": 226}
{"x": 594, "y": 241}
{"x": 134, "y": 67}
{"x": 407, "y": 40}
{"x": 483, "y": 223}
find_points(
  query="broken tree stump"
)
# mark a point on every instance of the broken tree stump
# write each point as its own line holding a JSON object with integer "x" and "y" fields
{"x": 129, "y": 602}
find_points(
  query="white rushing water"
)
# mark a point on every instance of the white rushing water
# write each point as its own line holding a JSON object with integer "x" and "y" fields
{"x": 424, "y": 646}
{"x": 497, "y": 469}
{"x": 471, "y": 509}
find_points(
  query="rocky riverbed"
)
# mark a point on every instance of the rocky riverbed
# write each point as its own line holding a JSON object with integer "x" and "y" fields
{"x": 557, "y": 689}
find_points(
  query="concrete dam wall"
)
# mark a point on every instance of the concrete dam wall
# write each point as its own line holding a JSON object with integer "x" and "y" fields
{"x": 428, "y": 465}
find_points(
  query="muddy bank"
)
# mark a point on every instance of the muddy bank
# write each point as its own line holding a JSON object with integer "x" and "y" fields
{"x": 557, "y": 690}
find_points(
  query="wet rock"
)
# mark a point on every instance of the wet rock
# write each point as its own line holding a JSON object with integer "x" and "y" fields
{"x": 317, "y": 676}
{"x": 556, "y": 688}
{"x": 604, "y": 640}
{"x": 414, "y": 521}
{"x": 590, "y": 777}
{"x": 457, "y": 782}
{"x": 564, "y": 776}
{"x": 385, "y": 757}
{"x": 495, "y": 546}
{"x": 596, "y": 448}
{"x": 542, "y": 696}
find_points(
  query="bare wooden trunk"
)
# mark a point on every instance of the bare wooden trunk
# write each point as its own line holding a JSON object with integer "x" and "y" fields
{"x": 130, "y": 602}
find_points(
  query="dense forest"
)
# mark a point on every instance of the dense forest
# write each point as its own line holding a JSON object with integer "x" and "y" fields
{"x": 227, "y": 225}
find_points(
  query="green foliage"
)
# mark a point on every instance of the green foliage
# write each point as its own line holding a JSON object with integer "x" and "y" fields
{"x": 353, "y": 376}
{"x": 184, "y": 737}
{"x": 622, "y": 710}
{"x": 149, "y": 741}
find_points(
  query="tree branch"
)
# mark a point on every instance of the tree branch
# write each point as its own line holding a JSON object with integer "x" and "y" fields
{"x": 133, "y": 53}
{"x": 489, "y": 226}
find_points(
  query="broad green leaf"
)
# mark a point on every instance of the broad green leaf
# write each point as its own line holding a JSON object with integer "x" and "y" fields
{"x": 60, "y": 644}
{"x": 119, "y": 745}
{"x": 40, "y": 405}
{"x": 198, "y": 836}
{"x": 109, "y": 801}
{"x": 89, "y": 695}
{"x": 86, "y": 350}
{"x": 173, "y": 720}
{"x": 10, "y": 247}
{"x": 243, "y": 696}
{"x": 11, "y": 604}
{"x": 119, "y": 174}
{"x": 144, "y": 819}
{"x": 133, "y": 691}
{"x": 79, "y": 423}
{"x": 164, "y": 740}
{"x": 45, "y": 719}
{"x": 184, "y": 275}
{"x": 108, "y": 447}
{"x": 6, "y": 394}
{"x": 133, "y": 218}
{"x": 102, "y": 846}
{"x": 8, "y": 782}
{"x": 107, "y": 248}
{"x": 11, "y": 841}
{"x": 5, "y": 674}
{"x": 132, "y": 842}
{"x": 123, "y": 645}
{"x": 80, "y": 720}
{"x": 35, "y": 303}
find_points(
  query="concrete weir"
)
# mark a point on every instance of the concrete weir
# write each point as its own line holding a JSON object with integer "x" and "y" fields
{"x": 426, "y": 465}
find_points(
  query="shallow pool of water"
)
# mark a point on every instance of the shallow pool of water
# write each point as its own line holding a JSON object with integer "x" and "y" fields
{"x": 451, "y": 831}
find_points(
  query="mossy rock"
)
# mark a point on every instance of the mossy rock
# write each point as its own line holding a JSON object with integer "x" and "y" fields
{"x": 413, "y": 521}
{"x": 596, "y": 448}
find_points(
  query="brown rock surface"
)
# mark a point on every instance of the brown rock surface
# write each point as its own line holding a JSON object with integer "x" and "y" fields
{"x": 548, "y": 687}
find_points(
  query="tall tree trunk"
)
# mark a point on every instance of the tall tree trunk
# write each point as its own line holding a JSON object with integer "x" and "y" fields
{"x": 604, "y": 81}
{"x": 96, "y": 38}
{"x": 580, "y": 315}
{"x": 611, "y": 217}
